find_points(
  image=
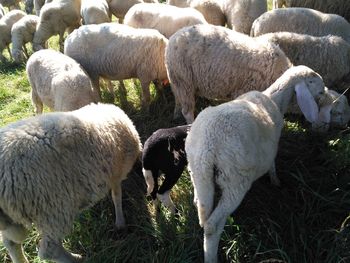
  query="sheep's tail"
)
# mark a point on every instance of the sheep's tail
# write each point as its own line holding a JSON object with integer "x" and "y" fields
{"x": 149, "y": 180}
{"x": 202, "y": 176}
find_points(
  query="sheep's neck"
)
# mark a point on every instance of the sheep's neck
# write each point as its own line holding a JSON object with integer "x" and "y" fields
{"x": 281, "y": 92}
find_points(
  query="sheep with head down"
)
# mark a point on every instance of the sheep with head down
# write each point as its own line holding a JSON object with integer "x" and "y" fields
{"x": 231, "y": 145}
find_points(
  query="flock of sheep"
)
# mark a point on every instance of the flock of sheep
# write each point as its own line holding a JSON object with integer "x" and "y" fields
{"x": 263, "y": 64}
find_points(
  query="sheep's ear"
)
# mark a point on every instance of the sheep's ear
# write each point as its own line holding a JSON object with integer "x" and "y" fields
{"x": 306, "y": 102}
{"x": 324, "y": 115}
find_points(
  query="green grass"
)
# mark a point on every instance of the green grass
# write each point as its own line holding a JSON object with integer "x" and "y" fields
{"x": 305, "y": 220}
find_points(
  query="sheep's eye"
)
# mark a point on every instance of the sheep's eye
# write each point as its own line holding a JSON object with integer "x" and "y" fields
{"x": 321, "y": 93}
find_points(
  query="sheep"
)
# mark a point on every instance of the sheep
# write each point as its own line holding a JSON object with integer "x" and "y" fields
{"x": 120, "y": 7}
{"x": 22, "y": 32}
{"x": 328, "y": 55}
{"x": 11, "y": 4}
{"x": 6, "y": 23}
{"x": 122, "y": 52}
{"x": 339, "y": 7}
{"x": 55, "y": 18}
{"x": 95, "y": 12}
{"x": 240, "y": 14}
{"x": 166, "y": 19}
{"x": 302, "y": 21}
{"x": 2, "y": 11}
{"x": 213, "y": 62}
{"x": 55, "y": 165}
{"x": 164, "y": 151}
{"x": 233, "y": 144}
{"x": 211, "y": 9}
{"x": 59, "y": 82}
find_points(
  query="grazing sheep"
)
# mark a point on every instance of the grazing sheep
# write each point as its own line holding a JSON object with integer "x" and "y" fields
{"x": 6, "y": 23}
{"x": 302, "y": 21}
{"x": 235, "y": 143}
{"x": 340, "y": 114}
{"x": 328, "y": 55}
{"x": 38, "y": 4}
{"x": 211, "y": 9}
{"x": 240, "y": 14}
{"x": 2, "y": 11}
{"x": 57, "y": 164}
{"x": 213, "y": 62}
{"x": 59, "y": 82}
{"x": 339, "y": 7}
{"x": 55, "y": 18}
{"x": 95, "y": 12}
{"x": 120, "y": 7}
{"x": 166, "y": 19}
{"x": 11, "y": 4}
{"x": 164, "y": 151}
{"x": 122, "y": 52}
{"x": 22, "y": 32}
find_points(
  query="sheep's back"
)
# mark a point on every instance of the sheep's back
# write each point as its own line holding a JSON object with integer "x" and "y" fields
{"x": 218, "y": 63}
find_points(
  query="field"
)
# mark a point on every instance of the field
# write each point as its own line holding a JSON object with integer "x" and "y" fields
{"x": 306, "y": 220}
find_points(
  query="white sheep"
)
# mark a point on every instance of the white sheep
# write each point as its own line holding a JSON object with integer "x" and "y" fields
{"x": 95, "y": 12}
{"x": 22, "y": 32}
{"x": 235, "y": 143}
{"x": 122, "y": 52}
{"x": 167, "y": 19}
{"x": 302, "y": 21}
{"x": 59, "y": 82}
{"x": 55, "y": 18}
{"x": 2, "y": 11}
{"x": 120, "y": 7}
{"x": 11, "y": 4}
{"x": 6, "y": 23}
{"x": 218, "y": 63}
{"x": 57, "y": 164}
{"x": 240, "y": 14}
{"x": 339, "y": 7}
{"x": 211, "y": 9}
{"x": 328, "y": 55}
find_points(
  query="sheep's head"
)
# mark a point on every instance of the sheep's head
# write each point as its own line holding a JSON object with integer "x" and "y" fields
{"x": 340, "y": 113}
{"x": 18, "y": 55}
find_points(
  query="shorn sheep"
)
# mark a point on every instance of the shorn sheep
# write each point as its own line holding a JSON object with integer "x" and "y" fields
{"x": 59, "y": 82}
{"x": 164, "y": 152}
{"x": 302, "y": 21}
{"x": 211, "y": 9}
{"x": 235, "y": 143}
{"x": 122, "y": 52}
{"x": 213, "y": 62}
{"x": 6, "y": 23}
{"x": 167, "y": 19}
{"x": 56, "y": 164}
{"x": 22, "y": 32}
{"x": 340, "y": 7}
{"x": 240, "y": 14}
{"x": 55, "y": 18}
{"x": 95, "y": 12}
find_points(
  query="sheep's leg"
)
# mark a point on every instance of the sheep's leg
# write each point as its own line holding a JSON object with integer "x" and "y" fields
{"x": 61, "y": 42}
{"x": 117, "y": 200}
{"x": 122, "y": 93}
{"x": 37, "y": 102}
{"x": 146, "y": 96}
{"x": 188, "y": 112}
{"x": 273, "y": 176}
{"x": 214, "y": 226}
{"x": 50, "y": 249}
{"x": 25, "y": 51}
{"x": 96, "y": 84}
{"x": 8, "y": 49}
{"x": 164, "y": 190}
{"x": 13, "y": 236}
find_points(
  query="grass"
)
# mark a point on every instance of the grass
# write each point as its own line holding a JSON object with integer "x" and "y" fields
{"x": 305, "y": 220}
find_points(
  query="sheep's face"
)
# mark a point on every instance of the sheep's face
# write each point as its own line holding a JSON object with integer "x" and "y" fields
{"x": 340, "y": 113}
{"x": 18, "y": 56}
